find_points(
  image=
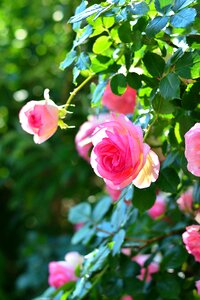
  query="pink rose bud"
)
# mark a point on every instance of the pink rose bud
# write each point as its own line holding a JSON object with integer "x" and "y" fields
{"x": 197, "y": 283}
{"x": 127, "y": 297}
{"x": 120, "y": 156}
{"x": 40, "y": 118}
{"x": 114, "y": 194}
{"x": 123, "y": 104}
{"x": 192, "y": 149}
{"x": 83, "y": 137}
{"x": 61, "y": 272}
{"x": 185, "y": 201}
{"x": 158, "y": 209}
{"x": 145, "y": 273}
{"x": 191, "y": 238}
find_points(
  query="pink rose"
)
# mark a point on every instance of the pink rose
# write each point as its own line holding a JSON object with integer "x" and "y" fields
{"x": 123, "y": 104}
{"x": 120, "y": 156}
{"x": 127, "y": 297}
{"x": 114, "y": 194}
{"x": 40, "y": 118}
{"x": 191, "y": 238}
{"x": 192, "y": 149}
{"x": 146, "y": 272}
{"x": 185, "y": 201}
{"x": 158, "y": 209}
{"x": 83, "y": 137}
{"x": 197, "y": 283}
{"x": 61, "y": 272}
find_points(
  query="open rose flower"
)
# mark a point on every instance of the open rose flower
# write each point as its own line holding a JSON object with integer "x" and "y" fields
{"x": 120, "y": 156}
{"x": 83, "y": 137}
{"x": 40, "y": 118}
{"x": 185, "y": 201}
{"x": 192, "y": 149}
{"x": 158, "y": 209}
{"x": 123, "y": 104}
{"x": 191, "y": 238}
{"x": 61, "y": 272}
{"x": 146, "y": 272}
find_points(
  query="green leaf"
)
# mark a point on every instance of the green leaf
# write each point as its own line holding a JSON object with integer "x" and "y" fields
{"x": 108, "y": 21}
{"x": 180, "y": 4}
{"x": 118, "y": 84}
{"x": 154, "y": 63}
{"x": 80, "y": 213}
{"x": 136, "y": 40}
{"x": 118, "y": 240}
{"x": 125, "y": 33}
{"x": 140, "y": 8}
{"x": 101, "y": 44}
{"x": 99, "y": 63}
{"x": 168, "y": 286}
{"x": 98, "y": 93}
{"x": 168, "y": 180}
{"x": 163, "y": 6}
{"x": 170, "y": 87}
{"x": 98, "y": 258}
{"x": 176, "y": 56}
{"x": 82, "y": 288}
{"x": 194, "y": 94}
{"x": 83, "y": 62}
{"x": 174, "y": 258}
{"x": 79, "y": 9}
{"x": 161, "y": 106}
{"x": 101, "y": 209}
{"x": 144, "y": 199}
{"x": 84, "y": 234}
{"x": 119, "y": 215}
{"x": 70, "y": 57}
{"x": 183, "y": 66}
{"x": 86, "y": 13}
{"x": 156, "y": 25}
{"x": 134, "y": 80}
{"x": 183, "y": 18}
{"x": 83, "y": 37}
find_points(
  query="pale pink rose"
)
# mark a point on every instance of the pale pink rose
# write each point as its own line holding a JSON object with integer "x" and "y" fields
{"x": 146, "y": 272}
{"x": 126, "y": 251}
{"x": 61, "y": 272}
{"x": 185, "y": 201}
{"x": 123, "y": 104}
{"x": 83, "y": 137}
{"x": 197, "y": 283}
{"x": 40, "y": 118}
{"x": 158, "y": 209}
{"x": 191, "y": 238}
{"x": 127, "y": 297}
{"x": 192, "y": 149}
{"x": 119, "y": 154}
{"x": 114, "y": 194}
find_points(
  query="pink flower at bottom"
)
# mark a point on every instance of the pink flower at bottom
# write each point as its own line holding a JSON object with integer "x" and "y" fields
{"x": 197, "y": 283}
{"x": 192, "y": 149}
{"x": 127, "y": 297}
{"x": 145, "y": 273}
{"x": 185, "y": 201}
{"x": 191, "y": 238}
{"x": 158, "y": 209}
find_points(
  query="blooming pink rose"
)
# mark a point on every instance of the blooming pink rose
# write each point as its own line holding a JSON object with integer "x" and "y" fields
{"x": 114, "y": 194}
{"x": 127, "y": 297}
{"x": 83, "y": 137}
{"x": 192, "y": 149}
{"x": 191, "y": 238}
{"x": 120, "y": 156}
{"x": 61, "y": 272}
{"x": 39, "y": 118}
{"x": 123, "y": 104}
{"x": 197, "y": 283}
{"x": 158, "y": 209}
{"x": 145, "y": 272}
{"x": 185, "y": 201}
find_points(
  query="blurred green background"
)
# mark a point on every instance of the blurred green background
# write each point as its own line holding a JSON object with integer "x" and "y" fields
{"x": 38, "y": 183}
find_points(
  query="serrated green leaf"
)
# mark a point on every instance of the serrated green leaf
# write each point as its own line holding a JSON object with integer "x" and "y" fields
{"x": 134, "y": 80}
{"x": 161, "y": 106}
{"x": 154, "y": 63}
{"x": 83, "y": 62}
{"x": 163, "y": 6}
{"x": 170, "y": 87}
{"x": 101, "y": 208}
{"x": 101, "y": 44}
{"x": 86, "y": 13}
{"x": 125, "y": 32}
{"x": 180, "y": 4}
{"x": 118, "y": 240}
{"x": 80, "y": 213}
{"x": 70, "y": 57}
{"x": 156, "y": 25}
{"x": 108, "y": 21}
{"x": 140, "y": 8}
{"x": 98, "y": 93}
{"x": 118, "y": 84}
{"x": 183, "y": 18}
{"x": 83, "y": 37}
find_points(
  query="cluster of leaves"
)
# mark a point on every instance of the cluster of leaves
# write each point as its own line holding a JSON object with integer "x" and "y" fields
{"x": 152, "y": 46}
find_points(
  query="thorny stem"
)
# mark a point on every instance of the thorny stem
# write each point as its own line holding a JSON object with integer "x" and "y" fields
{"x": 76, "y": 90}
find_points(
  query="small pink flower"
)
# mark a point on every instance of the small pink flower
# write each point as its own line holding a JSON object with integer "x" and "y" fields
{"x": 185, "y": 201}
{"x": 191, "y": 238}
{"x": 127, "y": 297}
{"x": 83, "y": 137}
{"x": 192, "y": 149}
{"x": 120, "y": 156}
{"x": 61, "y": 272}
{"x": 197, "y": 283}
{"x": 158, "y": 209}
{"x": 126, "y": 251}
{"x": 123, "y": 104}
{"x": 145, "y": 272}
{"x": 114, "y": 194}
{"x": 40, "y": 118}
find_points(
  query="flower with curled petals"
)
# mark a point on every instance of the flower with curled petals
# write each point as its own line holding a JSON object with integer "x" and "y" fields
{"x": 191, "y": 239}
